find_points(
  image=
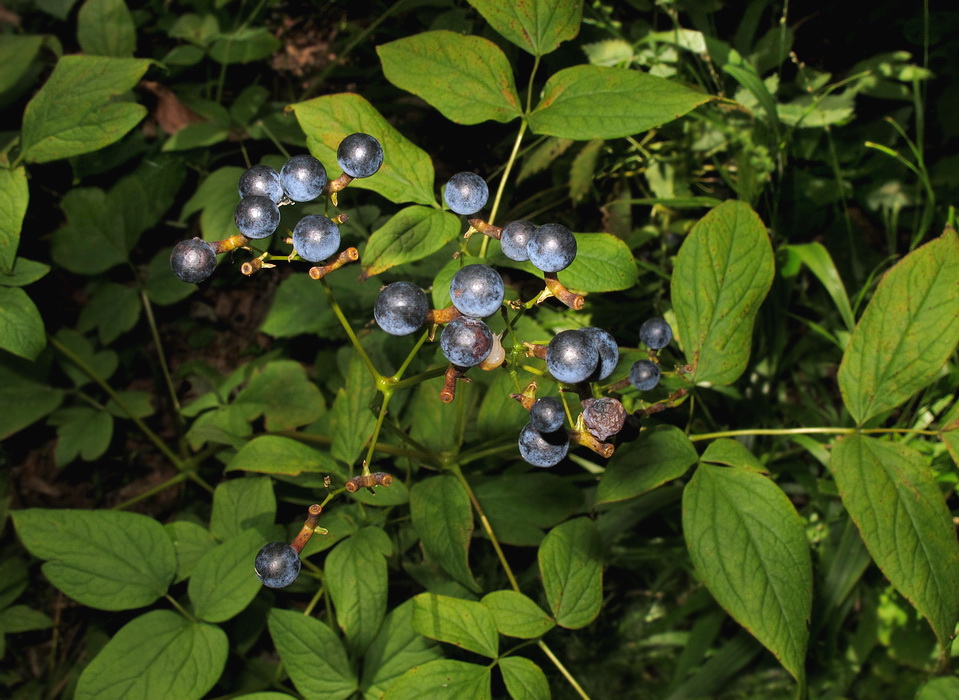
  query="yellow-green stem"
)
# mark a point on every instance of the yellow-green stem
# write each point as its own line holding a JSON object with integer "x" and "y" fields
{"x": 179, "y": 608}
{"x": 172, "y": 481}
{"x": 377, "y": 377}
{"x": 812, "y": 431}
{"x": 502, "y": 184}
{"x": 562, "y": 669}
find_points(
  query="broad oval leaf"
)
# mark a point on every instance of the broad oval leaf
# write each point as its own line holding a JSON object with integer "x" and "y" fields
{"x": 571, "y": 565}
{"x": 516, "y": 615}
{"x": 223, "y": 584}
{"x": 597, "y": 102}
{"x": 105, "y": 28}
{"x": 659, "y": 455}
{"x": 33, "y": 397}
{"x": 21, "y": 326}
{"x": 191, "y": 542}
{"x": 159, "y": 655}
{"x": 732, "y": 453}
{"x": 105, "y": 559}
{"x": 412, "y": 234}
{"x": 312, "y": 654}
{"x": 521, "y": 506}
{"x": 909, "y": 329}
{"x": 356, "y": 576}
{"x": 891, "y": 494}
{"x": 443, "y": 518}
{"x": 467, "y": 78}
{"x": 17, "y": 53}
{"x": 723, "y": 272}
{"x": 536, "y": 26}
{"x": 463, "y": 623}
{"x": 14, "y": 197}
{"x": 395, "y": 650}
{"x": 443, "y": 679}
{"x": 524, "y": 679}
{"x": 748, "y": 544}
{"x": 300, "y": 402}
{"x": 242, "y": 504}
{"x": 272, "y": 454}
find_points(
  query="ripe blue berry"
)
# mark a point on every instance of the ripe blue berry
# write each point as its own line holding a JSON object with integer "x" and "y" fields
{"x": 644, "y": 375}
{"x": 477, "y": 290}
{"x": 515, "y": 239}
{"x": 551, "y": 248}
{"x": 547, "y": 415}
{"x": 542, "y": 449}
{"x": 359, "y": 155}
{"x": 193, "y": 260}
{"x": 401, "y": 308}
{"x": 261, "y": 181}
{"x": 571, "y": 356}
{"x": 316, "y": 238}
{"x": 256, "y": 217}
{"x": 655, "y": 333}
{"x": 466, "y": 341}
{"x": 603, "y": 417}
{"x": 466, "y": 193}
{"x": 608, "y": 351}
{"x": 303, "y": 178}
{"x": 277, "y": 565}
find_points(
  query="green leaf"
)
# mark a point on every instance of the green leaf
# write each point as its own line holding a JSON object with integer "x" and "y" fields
{"x": 222, "y": 584}
{"x": 162, "y": 287}
{"x": 81, "y": 432}
{"x": 396, "y": 494}
{"x": 244, "y": 46}
{"x": 159, "y": 655}
{"x": 356, "y": 577}
{"x": 520, "y": 507}
{"x": 443, "y": 518}
{"x": 412, "y": 234}
{"x": 14, "y": 197}
{"x": 722, "y": 274}
{"x": 89, "y": 243}
{"x": 949, "y": 426}
{"x": 940, "y": 689}
{"x": 820, "y": 263}
{"x": 191, "y": 542}
{"x": 907, "y": 332}
{"x": 467, "y": 78}
{"x": 108, "y": 560}
{"x": 463, "y": 623}
{"x": 21, "y": 618}
{"x": 21, "y": 327}
{"x": 659, "y": 455}
{"x": 583, "y": 170}
{"x": 598, "y": 102}
{"x": 112, "y": 309}
{"x": 34, "y": 399}
{"x": 749, "y": 545}
{"x": 443, "y": 679}
{"x": 58, "y": 8}
{"x": 536, "y": 26}
{"x": 407, "y": 171}
{"x": 142, "y": 198}
{"x": 734, "y": 454}
{"x": 103, "y": 363}
{"x": 24, "y": 272}
{"x": 352, "y": 419}
{"x": 516, "y": 615}
{"x": 139, "y": 403}
{"x": 199, "y": 135}
{"x": 17, "y": 53}
{"x": 242, "y": 504}
{"x": 891, "y": 494}
{"x": 396, "y": 649}
{"x": 271, "y": 454}
{"x": 432, "y": 425}
{"x": 216, "y": 199}
{"x": 299, "y": 402}
{"x": 312, "y": 654}
{"x": 74, "y": 112}
{"x": 571, "y": 565}
{"x": 301, "y": 306}
{"x": 524, "y": 679}
{"x": 105, "y": 28}
{"x": 226, "y": 425}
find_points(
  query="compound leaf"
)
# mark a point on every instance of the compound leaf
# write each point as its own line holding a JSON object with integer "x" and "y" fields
{"x": 571, "y": 565}
{"x": 536, "y": 26}
{"x": 443, "y": 519}
{"x": 463, "y": 623}
{"x": 312, "y": 654}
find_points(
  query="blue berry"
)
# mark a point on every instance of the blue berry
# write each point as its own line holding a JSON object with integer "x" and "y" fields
{"x": 644, "y": 375}
{"x": 466, "y": 341}
{"x": 316, "y": 238}
{"x": 515, "y": 239}
{"x": 542, "y": 449}
{"x": 277, "y": 565}
{"x": 655, "y": 333}
{"x": 359, "y": 155}
{"x": 551, "y": 248}
{"x": 608, "y": 351}
{"x": 256, "y": 217}
{"x": 401, "y": 308}
{"x": 466, "y": 193}
{"x": 193, "y": 260}
{"x": 261, "y": 181}
{"x": 477, "y": 290}
{"x": 546, "y": 414}
{"x": 571, "y": 356}
{"x": 303, "y": 178}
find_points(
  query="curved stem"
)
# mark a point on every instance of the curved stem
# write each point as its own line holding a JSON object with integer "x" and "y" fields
{"x": 377, "y": 377}
{"x": 420, "y": 378}
{"x": 562, "y": 669}
{"x": 812, "y": 431}
{"x": 502, "y": 183}
{"x": 164, "y": 367}
{"x": 387, "y": 395}
{"x": 172, "y": 481}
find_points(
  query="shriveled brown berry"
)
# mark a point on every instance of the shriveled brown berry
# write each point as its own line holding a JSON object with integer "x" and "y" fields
{"x": 604, "y": 417}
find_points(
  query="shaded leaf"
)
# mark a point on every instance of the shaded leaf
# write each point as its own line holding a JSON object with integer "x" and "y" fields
{"x": 17, "y": 52}
{"x": 571, "y": 565}
{"x": 222, "y": 583}
{"x": 536, "y": 26}
{"x": 14, "y": 197}
{"x": 298, "y": 403}
{"x": 272, "y": 454}
{"x": 191, "y": 542}
{"x": 34, "y": 399}
{"x": 396, "y": 649}
{"x": 352, "y": 419}
{"x": 516, "y": 615}
{"x": 443, "y": 679}
{"x": 659, "y": 455}
{"x": 443, "y": 519}
{"x": 312, "y": 654}
{"x": 463, "y": 623}
{"x": 356, "y": 576}
{"x": 520, "y": 507}
{"x": 242, "y": 504}
{"x": 524, "y": 679}
{"x": 412, "y": 234}
{"x": 21, "y": 327}
{"x": 734, "y": 454}
{"x": 105, "y": 28}
{"x": 81, "y": 432}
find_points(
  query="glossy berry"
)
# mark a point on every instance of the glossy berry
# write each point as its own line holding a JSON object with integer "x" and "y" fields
{"x": 603, "y": 417}
{"x": 277, "y": 565}
{"x": 546, "y": 414}
{"x": 655, "y": 333}
{"x": 316, "y": 238}
{"x": 401, "y": 308}
{"x": 466, "y": 193}
{"x": 193, "y": 260}
{"x": 256, "y": 217}
{"x": 551, "y": 248}
{"x": 644, "y": 375}
{"x": 303, "y": 178}
{"x": 477, "y": 290}
{"x": 359, "y": 155}
{"x": 542, "y": 449}
{"x": 515, "y": 238}
{"x": 466, "y": 341}
{"x": 261, "y": 181}
{"x": 608, "y": 351}
{"x": 571, "y": 356}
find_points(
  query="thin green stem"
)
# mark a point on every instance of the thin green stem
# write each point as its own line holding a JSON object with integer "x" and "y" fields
{"x": 276, "y": 141}
{"x": 164, "y": 366}
{"x": 326, "y": 441}
{"x": 179, "y": 608}
{"x": 502, "y": 183}
{"x": 420, "y": 378}
{"x": 387, "y": 395}
{"x": 409, "y": 358}
{"x": 529, "y": 85}
{"x": 313, "y": 601}
{"x": 474, "y": 455}
{"x": 562, "y": 669}
{"x": 377, "y": 377}
{"x": 177, "y": 478}
{"x": 812, "y": 431}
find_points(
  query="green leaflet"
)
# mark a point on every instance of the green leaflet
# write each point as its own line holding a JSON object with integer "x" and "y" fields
{"x": 412, "y": 234}
{"x": 191, "y": 542}
{"x": 520, "y": 507}
{"x": 33, "y": 398}
{"x": 216, "y": 199}
{"x": 242, "y": 504}
{"x": 463, "y": 623}
{"x": 312, "y": 654}
{"x": 443, "y": 679}
{"x": 722, "y": 274}
{"x": 516, "y": 615}
{"x": 748, "y": 544}
{"x": 272, "y": 454}
{"x": 536, "y": 26}
{"x": 443, "y": 519}
{"x": 222, "y": 583}
{"x": 659, "y": 455}
{"x": 355, "y": 573}
{"x": 596, "y": 102}
{"x": 524, "y": 679}
{"x": 21, "y": 327}
{"x": 105, "y": 28}
{"x": 396, "y": 649}
{"x": 907, "y": 332}
{"x": 734, "y": 454}
{"x": 820, "y": 263}
{"x": 892, "y": 496}
{"x": 81, "y": 432}
{"x": 300, "y": 402}
{"x": 16, "y": 54}
{"x": 571, "y": 566}
{"x": 352, "y": 419}
{"x": 14, "y": 197}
